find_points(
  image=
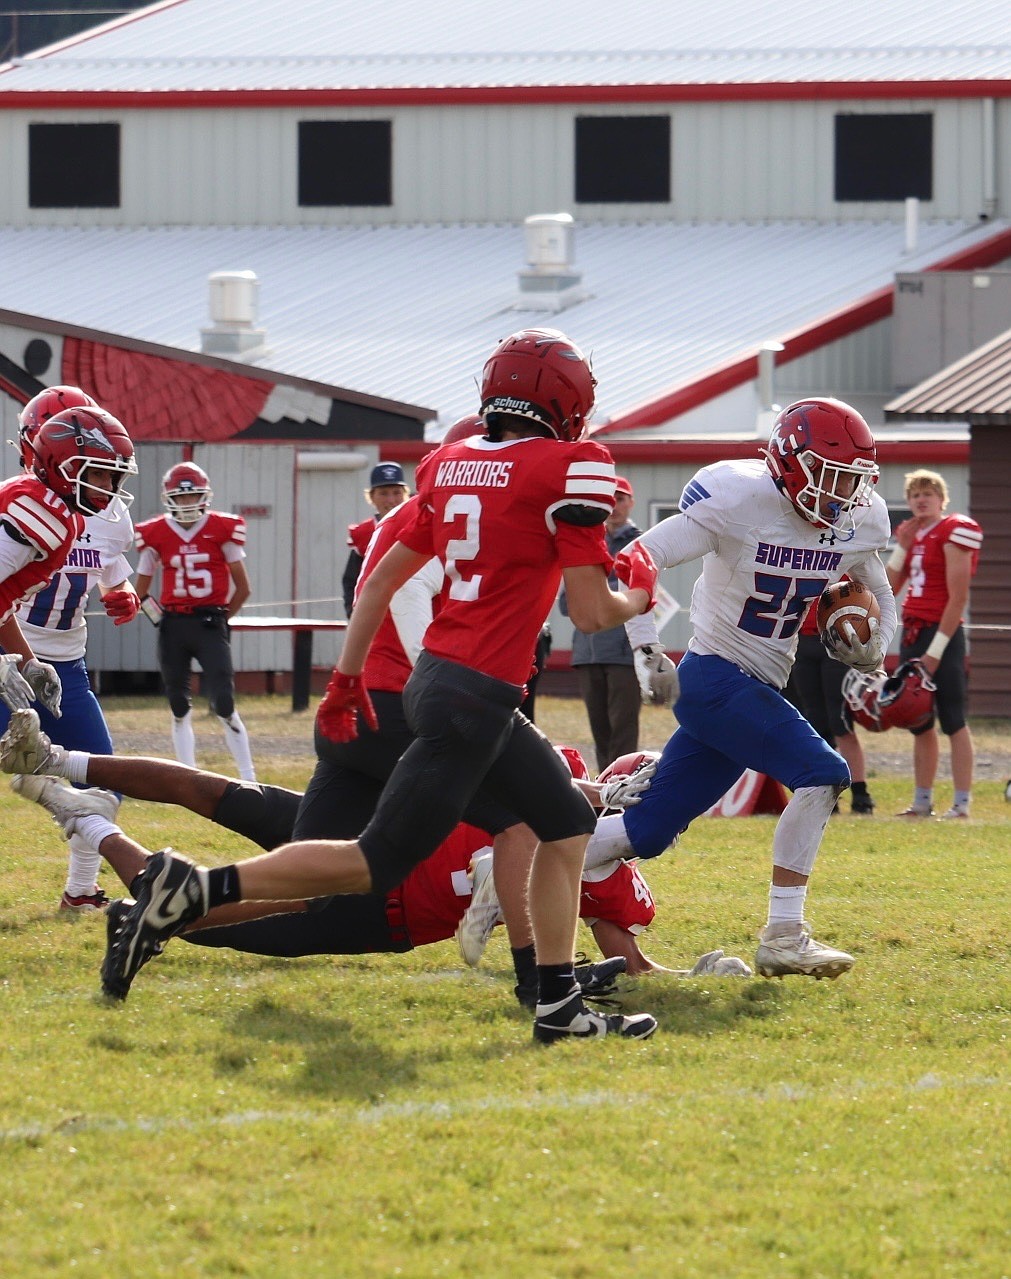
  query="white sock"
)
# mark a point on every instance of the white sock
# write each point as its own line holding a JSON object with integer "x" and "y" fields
{"x": 608, "y": 841}
{"x": 237, "y": 741}
{"x": 93, "y": 829}
{"x": 184, "y": 742}
{"x": 82, "y": 867}
{"x": 786, "y": 904}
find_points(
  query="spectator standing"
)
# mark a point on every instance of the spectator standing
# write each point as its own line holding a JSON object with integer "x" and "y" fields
{"x": 204, "y": 583}
{"x": 815, "y": 688}
{"x": 608, "y": 683}
{"x": 935, "y": 559}
{"x": 387, "y": 490}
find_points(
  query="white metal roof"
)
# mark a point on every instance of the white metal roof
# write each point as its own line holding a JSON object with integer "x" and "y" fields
{"x": 411, "y": 313}
{"x": 192, "y": 45}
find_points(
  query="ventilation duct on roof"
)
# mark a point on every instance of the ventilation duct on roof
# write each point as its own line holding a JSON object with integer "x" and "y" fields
{"x": 233, "y": 309}
{"x": 549, "y": 282}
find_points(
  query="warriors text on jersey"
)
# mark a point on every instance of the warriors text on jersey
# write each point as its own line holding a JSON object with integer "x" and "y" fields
{"x": 35, "y": 518}
{"x": 194, "y": 558}
{"x": 53, "y": 619}
{"x": 925, "y": 563}
{"x": 505, "y": 518}
{"x": 437, "y": 892}
{"x": 765, "y": 565}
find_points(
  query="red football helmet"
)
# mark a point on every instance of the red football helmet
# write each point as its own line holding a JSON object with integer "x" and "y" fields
{"x": 903, "y": 700}
{"x": 179, "y": 480}
{"x": 541, "y": 375}
{"x": 822, "y": 448}
{"x": 626, "y": 765}
{"x": 575, "y": 761}
{"x": 73, "y": 444}
{"x": 472, "y": 424}
{"x": 40, "y": 408}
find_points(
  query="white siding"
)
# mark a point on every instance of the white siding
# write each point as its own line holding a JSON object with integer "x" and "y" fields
{"x": 756, "y": 160}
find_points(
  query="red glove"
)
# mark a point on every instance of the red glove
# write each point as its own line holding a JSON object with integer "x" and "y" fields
{"x": 636, "y": 569}
{"x": 345, "y": 698}
{"x": 121, "y": 606}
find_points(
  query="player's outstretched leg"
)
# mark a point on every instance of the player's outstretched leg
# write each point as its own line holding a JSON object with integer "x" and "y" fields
{"x": 170, "y": 892}
{"x": 63, "y": 803}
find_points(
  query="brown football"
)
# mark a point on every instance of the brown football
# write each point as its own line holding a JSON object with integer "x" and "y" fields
{"x": 847, "y": 602}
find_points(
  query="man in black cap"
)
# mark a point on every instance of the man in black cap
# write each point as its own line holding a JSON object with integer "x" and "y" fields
{"x": 386, "y": 490}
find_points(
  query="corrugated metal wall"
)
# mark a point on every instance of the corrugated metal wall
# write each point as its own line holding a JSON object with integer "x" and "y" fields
{"x": 755, "y": 160}
{"x": 990, "y": 651}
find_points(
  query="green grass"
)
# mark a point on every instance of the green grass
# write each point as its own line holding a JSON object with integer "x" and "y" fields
{"x": 389, "y": 1115}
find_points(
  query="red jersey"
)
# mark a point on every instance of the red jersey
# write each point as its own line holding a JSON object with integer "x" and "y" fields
{"x": 498, "y": 516}
{"x": 35, "y": 515}
{"x": 359, "y": 535}
{"x": 928, "y": 591}
{"x": 437, "y": 892}
{"x": 387, "y": 666}
{"x": 194, "y": 557}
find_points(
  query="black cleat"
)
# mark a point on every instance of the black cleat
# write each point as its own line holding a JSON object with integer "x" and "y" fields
{"x": 171, "y": 892}
{"x": 571, "y": 1019}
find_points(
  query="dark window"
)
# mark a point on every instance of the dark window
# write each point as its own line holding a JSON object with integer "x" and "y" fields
{"x": 73, "y": 166}
{"x": 622, "y": 159}
{"x": 884, "y": 157}
{"x": 345, "y": 162}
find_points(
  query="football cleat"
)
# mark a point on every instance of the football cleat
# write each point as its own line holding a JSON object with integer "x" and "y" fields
{"x": 25, "y": 748}
{"x": 596, "y": 981}
{"x": 63, "y": 803}
{"x": 955, "y": 814}
{"x": 86, "y": 904}
{"x": 571, "y": 1019}
{"x": 171, "y": 891}
{"x": 481, "y": 916}
{"x": 916, "y": 814}
{"x": 862, "y": 805}
{"x": 789, "y": 949}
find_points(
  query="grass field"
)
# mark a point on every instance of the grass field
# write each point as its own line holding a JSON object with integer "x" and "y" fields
{"x": 390, "y": 1116}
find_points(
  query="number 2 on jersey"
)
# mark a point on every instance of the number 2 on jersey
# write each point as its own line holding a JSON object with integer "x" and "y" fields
{"x": 467, "y": 506}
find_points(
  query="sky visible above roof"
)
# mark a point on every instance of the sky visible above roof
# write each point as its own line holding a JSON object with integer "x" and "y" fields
{"x": 224, "y": 44}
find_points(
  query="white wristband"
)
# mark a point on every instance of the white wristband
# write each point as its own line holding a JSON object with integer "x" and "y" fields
{"x": 897, "y": 559}
{"x": 937, "y": 645}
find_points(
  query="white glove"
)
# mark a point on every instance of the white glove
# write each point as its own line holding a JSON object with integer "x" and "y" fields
{"x": 717, "y": 964}
{"x": 657, "y": 675}
{"x": 866, "y": 657}
{"x": 623, "y": 792}
{"x": 15, "y": 691}
{"x": 45, "y": 684}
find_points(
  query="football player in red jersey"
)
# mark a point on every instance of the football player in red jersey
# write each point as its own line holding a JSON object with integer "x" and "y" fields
{"x": 387, "y": 490}
{"x": 509, "y": 515}
{"x": 615, "y": 900}
{"x": 936, "y": 558}
{"x": 203, "y": 583}
{"x": 75, "y": 463}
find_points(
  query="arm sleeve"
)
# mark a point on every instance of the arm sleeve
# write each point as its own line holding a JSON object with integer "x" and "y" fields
{"x": 14, "y": 554}
{"x": 676, "y": 540}
{"x": 117, "y": 570}
{"x": 147, "y": 562}
{"x": 411, "y": 607}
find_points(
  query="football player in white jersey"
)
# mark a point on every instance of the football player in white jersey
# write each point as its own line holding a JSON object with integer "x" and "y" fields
{"x": 771, "y": 536}
{"x": 52, "y": 620}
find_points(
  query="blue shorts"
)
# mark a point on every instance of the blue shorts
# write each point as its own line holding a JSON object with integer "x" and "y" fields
{"x": 728, "y": 722}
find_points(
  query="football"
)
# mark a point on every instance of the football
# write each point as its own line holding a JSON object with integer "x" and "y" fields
{"x": 847, "y": 602}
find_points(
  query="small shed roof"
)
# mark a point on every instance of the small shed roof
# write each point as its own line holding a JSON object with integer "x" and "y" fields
{"x": 975, "y": 389}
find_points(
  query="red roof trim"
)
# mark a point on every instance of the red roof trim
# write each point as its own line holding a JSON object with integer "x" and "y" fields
{"x": 848, "y": 319}
{"x": 497, "y": 95}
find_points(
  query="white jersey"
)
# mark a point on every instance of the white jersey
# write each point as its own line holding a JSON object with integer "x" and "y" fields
{"x": 762, "y": 565}
{"x": 53, "y": 619}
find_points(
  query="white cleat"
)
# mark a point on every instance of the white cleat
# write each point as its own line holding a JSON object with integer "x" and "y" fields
{"x": 481, "y": 916}
{"x": 25, "y": 748}
{"x": 64, "y": 804}
{"x": 786, "y": 950}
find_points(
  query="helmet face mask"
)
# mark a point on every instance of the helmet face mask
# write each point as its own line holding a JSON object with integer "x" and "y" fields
{"x": 68, "y": 450}
{"x": 539, "y": 375}
{"x": 879, "y": 702}
{"x": 822, "y": 456}
{"x": 186, "y": 480}
{"x": 40, "y": 408}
